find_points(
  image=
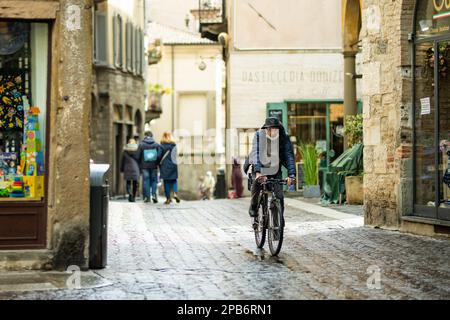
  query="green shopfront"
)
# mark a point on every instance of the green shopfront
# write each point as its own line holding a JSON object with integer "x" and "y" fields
{"x": 318, "y": 122}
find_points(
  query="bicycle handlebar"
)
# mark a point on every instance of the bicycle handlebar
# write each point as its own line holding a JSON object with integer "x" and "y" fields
{"x": 276, "y": 181}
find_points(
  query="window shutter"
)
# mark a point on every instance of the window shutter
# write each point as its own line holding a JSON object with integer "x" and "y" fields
{"x": 128, "y": 44}
{"x": 141, "y": 52}
{"x": 137, "y": 50}
{"x": 133, "y": 49}
{"x": 120, "y": 27}
{"x": 94, "y": 38}
{"x": 101, "y": 38}
{"x": 116, "y": 40}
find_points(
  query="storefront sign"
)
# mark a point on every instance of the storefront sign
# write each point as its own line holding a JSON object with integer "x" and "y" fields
{"x": 442, "y": 8}
{"x": 276, "y": 113}
{"x": 433, "y": 17}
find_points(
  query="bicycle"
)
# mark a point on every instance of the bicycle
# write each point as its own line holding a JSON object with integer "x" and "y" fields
{"x": 270, "y": 217}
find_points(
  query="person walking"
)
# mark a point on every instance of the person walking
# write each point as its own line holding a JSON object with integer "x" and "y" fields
{"x": 168, "y": 167}
{"x": 149, "y": 155}
{"x": 130, "y": 168}
{"x": 236, "y": 178}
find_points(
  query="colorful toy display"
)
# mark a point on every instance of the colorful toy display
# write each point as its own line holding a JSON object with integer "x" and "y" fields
{"x": 22, "y": 171}
{"x": 17, "y": 188}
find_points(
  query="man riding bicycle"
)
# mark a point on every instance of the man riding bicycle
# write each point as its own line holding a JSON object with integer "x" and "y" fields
{"x": 271, "y": 149}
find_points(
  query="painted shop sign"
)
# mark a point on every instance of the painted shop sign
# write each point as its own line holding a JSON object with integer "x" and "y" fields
{"x": 290, "y": 76}
{"x": 442, "y": 8}
{"x": 433, "y": 17}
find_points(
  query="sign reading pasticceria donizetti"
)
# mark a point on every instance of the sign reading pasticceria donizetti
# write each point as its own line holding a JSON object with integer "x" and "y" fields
{"x": 433, "y": 17}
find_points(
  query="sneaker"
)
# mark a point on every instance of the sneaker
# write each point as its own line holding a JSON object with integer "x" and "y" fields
{"x": 168, "y": 201}
{"x": 177, "y": 199}
{"x": 155, "y": 200}
{"x": 146, "y": 200}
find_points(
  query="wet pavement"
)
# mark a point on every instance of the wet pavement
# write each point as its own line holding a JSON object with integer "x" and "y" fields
{"x": 206, "y": 250}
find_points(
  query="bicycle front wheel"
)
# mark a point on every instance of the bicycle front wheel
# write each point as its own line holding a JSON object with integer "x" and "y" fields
{"x": 259, "y": 225}
{"x": 276, "y": 227}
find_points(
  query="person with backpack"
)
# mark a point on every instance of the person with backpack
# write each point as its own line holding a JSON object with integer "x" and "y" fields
{"x": 130, "y": 168}
{"x": 149, "y": 155}
{"x": 168, "y": 167}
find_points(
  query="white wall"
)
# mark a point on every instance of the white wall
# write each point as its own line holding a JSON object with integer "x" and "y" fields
{"x": 261, "y": 77}
{"x": 286, "y": 24}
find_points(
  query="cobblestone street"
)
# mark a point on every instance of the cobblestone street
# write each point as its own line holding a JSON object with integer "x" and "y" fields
{"x": 206, "y": 250}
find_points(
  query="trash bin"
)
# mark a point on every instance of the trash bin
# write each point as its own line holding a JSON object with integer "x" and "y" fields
{"x": 98, "y": 222}
{"x": 221, "y": 192}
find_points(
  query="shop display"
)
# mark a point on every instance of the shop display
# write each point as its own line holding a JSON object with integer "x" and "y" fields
{"x": 21, "y": 150}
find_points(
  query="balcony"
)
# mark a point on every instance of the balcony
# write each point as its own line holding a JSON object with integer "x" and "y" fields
{"x": 212, "y": 18}
{"x": 154, "y": 108}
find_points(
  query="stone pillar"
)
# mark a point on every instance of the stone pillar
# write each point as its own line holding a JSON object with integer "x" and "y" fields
{"x": 69, "y": 150}
{"x": 350, "y": 99}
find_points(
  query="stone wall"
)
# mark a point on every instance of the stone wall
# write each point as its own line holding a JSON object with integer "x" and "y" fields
{"x": 388, "y": 131}
{"x": 387, "y": 109}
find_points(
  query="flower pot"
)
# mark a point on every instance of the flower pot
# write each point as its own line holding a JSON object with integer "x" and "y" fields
{"x": 311, "y": 191}
{"x": 354, "y": 189}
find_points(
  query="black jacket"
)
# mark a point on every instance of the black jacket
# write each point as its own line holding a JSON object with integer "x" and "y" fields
{"x": 146, "y": 144}
{"x": 130, "y": 166}
{"x": 168, "y": 168}
{"x": 286, "y": 152}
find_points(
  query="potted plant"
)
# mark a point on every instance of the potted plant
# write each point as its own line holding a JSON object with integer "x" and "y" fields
{"x": 353, "y": 130}
{"x": 156, "y": 92}
{"x": 311, "y": 189}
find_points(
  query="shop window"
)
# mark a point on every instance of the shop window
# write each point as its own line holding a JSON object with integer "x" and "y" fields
{"x": 23, "y": 110}
{"x": 432, "y": 110}
{"x": 308, "y": 123}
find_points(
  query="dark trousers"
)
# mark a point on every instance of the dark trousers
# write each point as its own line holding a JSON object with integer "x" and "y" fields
{"x": 257, "y": 187}
{"x": 132, "y": 186}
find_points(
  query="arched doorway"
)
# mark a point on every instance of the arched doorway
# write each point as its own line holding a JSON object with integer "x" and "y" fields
{"x": 138, "y": 123}
{"x": 431, "y": 105}
{"x": 351, "y": 24}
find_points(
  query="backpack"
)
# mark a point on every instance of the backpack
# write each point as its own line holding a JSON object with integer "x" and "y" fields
{"x": 150, "y": 155}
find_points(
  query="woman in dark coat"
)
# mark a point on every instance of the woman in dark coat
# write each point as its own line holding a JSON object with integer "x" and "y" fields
{"x": 236, "y": 178}
{"x": 168, "y": 167}
{"x": 130, "y": 169}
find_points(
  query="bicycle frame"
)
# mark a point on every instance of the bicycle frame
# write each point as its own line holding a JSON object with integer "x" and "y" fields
{"x": 266, "y": 221}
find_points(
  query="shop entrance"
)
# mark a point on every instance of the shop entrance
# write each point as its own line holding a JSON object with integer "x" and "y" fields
{"x": 432, "y": 112}
{"x": 24, "y": 115}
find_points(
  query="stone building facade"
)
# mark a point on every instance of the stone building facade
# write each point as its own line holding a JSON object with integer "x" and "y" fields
{"x": 119, "y": 87}
{"x": 394, "y": 72}
{"x": 52, "y": 230}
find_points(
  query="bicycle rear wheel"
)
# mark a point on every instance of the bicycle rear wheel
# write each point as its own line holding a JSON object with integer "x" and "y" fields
{"x": 276, "y": 227}
{"x": 259, "y": 226}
